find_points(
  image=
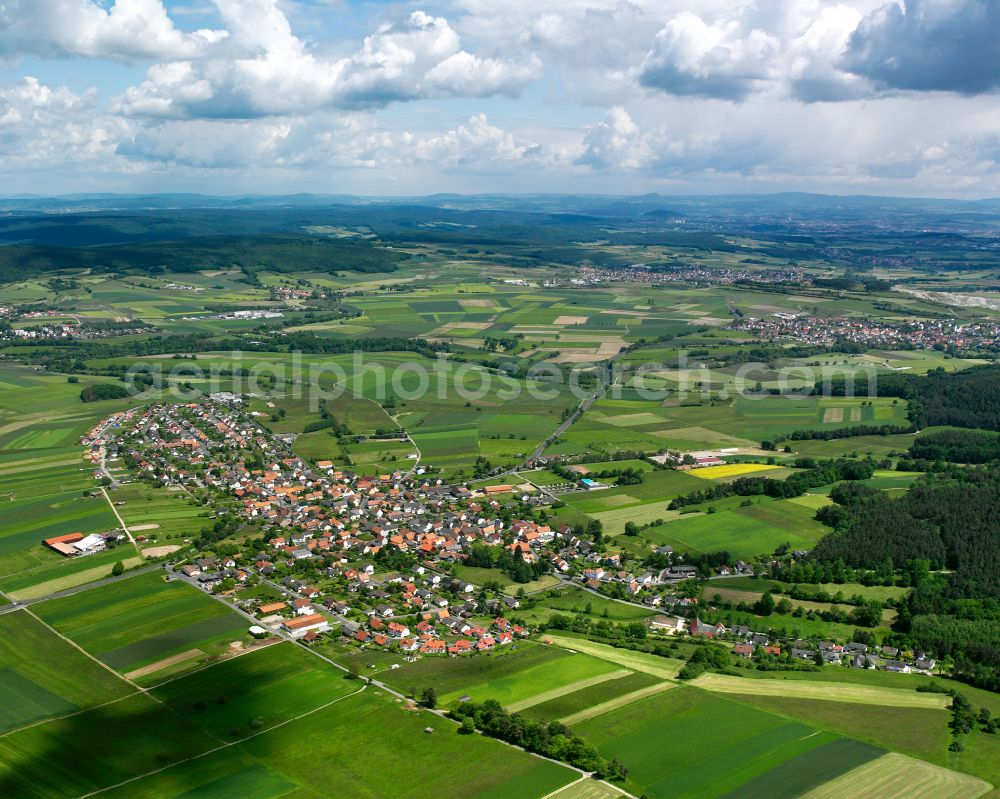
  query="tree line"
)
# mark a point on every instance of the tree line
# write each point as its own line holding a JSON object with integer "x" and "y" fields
{"x": 813, "y": 475}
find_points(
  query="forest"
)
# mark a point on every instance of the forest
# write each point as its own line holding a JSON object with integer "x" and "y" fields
{"x": 945, "y": 532}
{"x": 957, "y": 446}
{"x": 250, "y": 253}
{"x": 968, "y": 398}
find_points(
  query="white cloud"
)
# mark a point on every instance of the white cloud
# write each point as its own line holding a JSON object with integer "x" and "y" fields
{"x": 721, "y": 59}
{"x": 52, "y": 126}
{"x": 814, "y": 94}
{"x": 814, "y": 51}
{"x": 615, "y": 143}
{"x": 930, "y": 45}
{"x": 333, "y": 141}
{"x": 209, "y": 144}
{"x": 263, "y": 69}
{"x": 479, "y": 142}
{"x": 129, "y": 30}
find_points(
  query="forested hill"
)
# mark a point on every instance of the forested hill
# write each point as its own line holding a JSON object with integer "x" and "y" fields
{"x": 250, "y": 253}
{"x": 968, "y": 398}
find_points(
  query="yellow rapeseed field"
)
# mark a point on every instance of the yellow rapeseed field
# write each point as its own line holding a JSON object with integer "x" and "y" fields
{"x": 731, "y": 470}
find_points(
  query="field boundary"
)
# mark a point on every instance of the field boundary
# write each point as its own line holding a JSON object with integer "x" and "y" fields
{"x": 173, "y": 660}
{"x": 79, "y": 648}
{"x": 555, "y": 693}
{"x": 829, "y": 691}
{"x": 614, "y": 704}
{"x": 226, "y": 745}
{"x": 896, "y": 775}
{"x": 68, "y": 715}
{"x": 626, "y": 658}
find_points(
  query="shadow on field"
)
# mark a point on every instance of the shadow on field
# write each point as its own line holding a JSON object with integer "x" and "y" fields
{"x": 106, "y": 745}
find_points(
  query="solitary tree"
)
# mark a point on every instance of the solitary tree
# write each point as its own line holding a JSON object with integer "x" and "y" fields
{"x": 118, "y": 568}
{"x": 429, "y": 698}
{"x": 765, "y": 605}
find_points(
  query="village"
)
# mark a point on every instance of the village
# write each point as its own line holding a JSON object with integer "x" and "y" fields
{"x": 688, "y": 273}
{"x": 939, "y": 334}
{"x": 372, "y": 559}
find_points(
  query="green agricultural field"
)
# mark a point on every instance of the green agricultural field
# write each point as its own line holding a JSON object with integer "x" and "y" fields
{"x": 135, "y": 623}
{"x": 876, "y": 446}
{"x": 568, "y": 704}
{"x": 664, "y": 668}
{"x": 811, "y": 769}
{"x": 55, "y": 760}
{"x": 742, "y": 531}
{"x": 658, "y": 486}
{"x": 513, "y": 688}
{"x": 451, "y": 675}
{"x": 251, "y": 692}
{"x": 388, "y": 742}
{"x": 917, "y": 731}
{"x": 636, "y": 423}
{"x": 24, "y": 523}
{"x": 575, "y": 600}
{"x": 671, "y": 740}
{"x": 42, "y": 676}
{"x": 588, "y": 789}
{"x": 51, "y": 576}
{"x": 878, "y": 695}
{"x": 614, "y": 521}
{"x": 28, "y": 474}
{"x": 40, "y": 582}
{"x": 847, "y": 590}
{"x": 613, "y": 704}
{"x": 897, "y": 775}
{"x": 161, "y": 515}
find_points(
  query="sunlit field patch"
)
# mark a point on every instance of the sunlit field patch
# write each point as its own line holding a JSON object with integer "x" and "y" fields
{"x": 731, "y": 470}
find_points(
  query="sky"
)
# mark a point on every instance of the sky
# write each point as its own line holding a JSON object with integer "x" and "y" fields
{"x": 478, "y": 96}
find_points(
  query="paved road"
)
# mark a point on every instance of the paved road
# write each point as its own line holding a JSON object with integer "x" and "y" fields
{"x": 567, "y": 580}
{"x": 104, "y": 469}
{"x": 121, "y": 521}
{"x": 606, "y": 370}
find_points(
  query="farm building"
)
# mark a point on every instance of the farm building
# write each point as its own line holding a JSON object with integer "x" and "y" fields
{"x": 299, "y": 626}
{"x": 63, "y": 543}
{"x": 73, "y": 545}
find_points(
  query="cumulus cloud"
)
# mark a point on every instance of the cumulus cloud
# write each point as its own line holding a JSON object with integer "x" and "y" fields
{"x": 49, "y": 126}
{"x": 479, "y": 142}
{"x": 619, "y": 144}
{"x": 129, "y": 30}
{"x": 263, "y": 69}
{"x": 209, "y": 144}
{"x": 615, "y": 142}
{"x": 691, "y": 57}
{"x": 929, "y": 45}
{"x": 814, "y": 51}
{"x": 330, "y": 140}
